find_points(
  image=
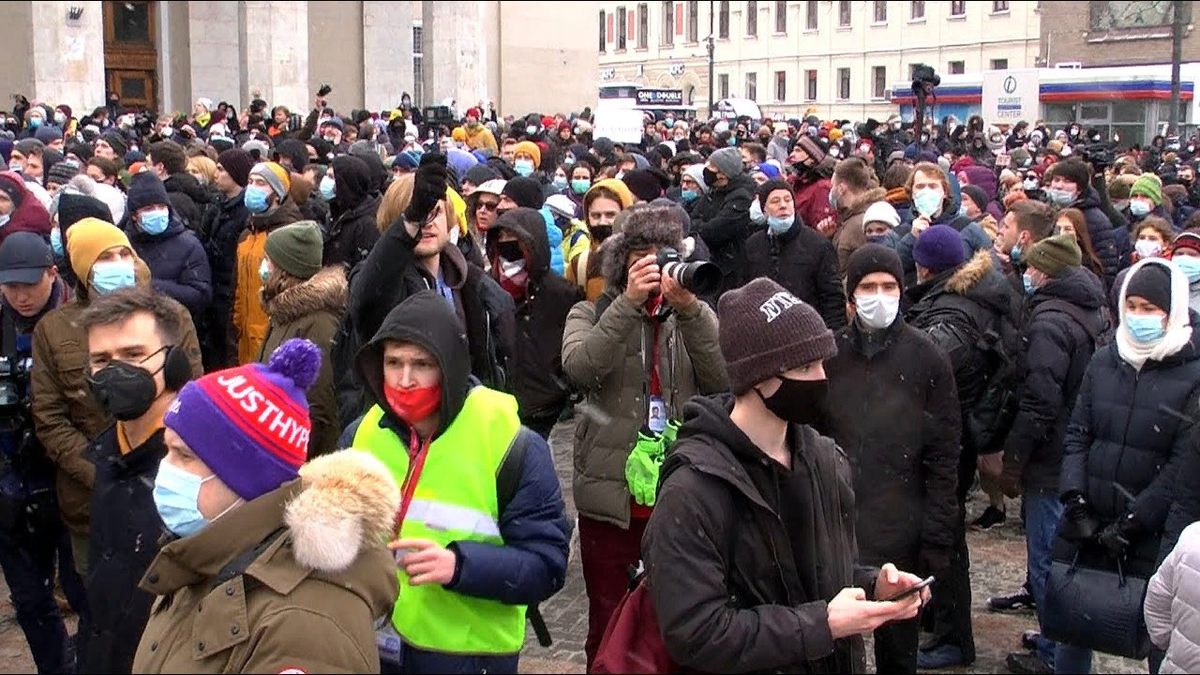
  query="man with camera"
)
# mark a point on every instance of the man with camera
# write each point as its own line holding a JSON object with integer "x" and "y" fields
{"x": 31, "y": 532}
{"x": 646, "y": 345}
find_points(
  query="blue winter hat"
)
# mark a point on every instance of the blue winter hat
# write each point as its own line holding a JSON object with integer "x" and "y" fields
{"x": 407, "y": 160}
{"x": 145, "y": 189}
{"x": 939, "y": 248}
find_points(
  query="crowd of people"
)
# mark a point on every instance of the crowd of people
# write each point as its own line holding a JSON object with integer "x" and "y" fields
{"x": 238, "y": 348}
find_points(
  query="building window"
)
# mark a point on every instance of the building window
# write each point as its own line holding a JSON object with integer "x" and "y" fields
{"x": 723, "y": 85}
{"x": 693, "y": 21}
{"x": 622, "y": 29}
{"x": 751, "y": 18}
{"x": 958, "y": 8}
{"x": 643, "y": 30}
{"x": 879, "y": 82}
{"x": 603, "y": 42}
{"x": 999, "y": 6}
{"x": 419, "y": 62}
{"x": 752, "y": 86}
{"x": 810, "y": 15}
{"x": 844, "y": 13}
{"x": 781, "y": 17}
{"x": 957, "y": 67}
{"x": 880, "y": 11}
{"x": 999, "y": 64}
{"x": 780, "y": 85}
{"x": 916, "y": 10}
{"x": 723, "y": 21}
{"x": 843, "y": 84}
{"x": 668, "y": 34}
{"x": 810, "y": 88}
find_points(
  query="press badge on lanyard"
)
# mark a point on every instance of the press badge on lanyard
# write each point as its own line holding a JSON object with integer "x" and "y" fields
{"x": 387, "y": 640}
{"x": 656, "y": 415}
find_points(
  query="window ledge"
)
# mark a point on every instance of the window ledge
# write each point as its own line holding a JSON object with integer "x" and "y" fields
{"x": 920, "y": 20}
{"x": 641, "y": 50}
{"x": 751, "y": 37}
{"x": 691, "y": 44}
{"x": 1002, "y": 12}
{"x": 957, "y": 17}
{"x": 1127, "y": 35}
{"x": 878, "y": 24}
{"x": 668, "y": 45}
{"x": 808, "y": 31}
{"x": 784, "y": 34}
{"x": 844, "y": 29}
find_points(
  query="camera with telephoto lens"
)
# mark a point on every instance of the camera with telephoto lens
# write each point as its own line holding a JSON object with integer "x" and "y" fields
{"x": 1098, "y": 152}
{"x": 701, "y": 278}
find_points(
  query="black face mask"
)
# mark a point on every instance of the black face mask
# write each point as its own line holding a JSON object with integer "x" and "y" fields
{"x": 124, "y": 389}
{"x": 710, "y": 177}
{"x": 797, "y": 401}
{"x": 510, "y": 251}
{"x": 600, "y": 233}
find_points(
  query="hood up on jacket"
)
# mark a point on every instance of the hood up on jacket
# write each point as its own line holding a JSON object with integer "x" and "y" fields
{"x": 1180, "y": 335}
{"x": 979, "y": 280}
{"x": 529, "y": 227}
{"x": 325, "y": 291}
{"x": 352, "y": 184}
{"x": 187, "y": 184}
{"x": 427, "y": 320}
{"x": 28, "y": 214}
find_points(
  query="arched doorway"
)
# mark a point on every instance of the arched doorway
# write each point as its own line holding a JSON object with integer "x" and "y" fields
{"x": 130, "y": 54}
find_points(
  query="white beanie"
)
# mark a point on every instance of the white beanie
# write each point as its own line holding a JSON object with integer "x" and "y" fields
{"x": 881, "y": 212}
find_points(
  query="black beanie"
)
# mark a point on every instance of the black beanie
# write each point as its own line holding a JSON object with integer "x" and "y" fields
{"x": 237, "y": 163}
{"x": 977, "y": 195}
{"x": 770, "y": 186}
{"x": 73, "y": 207}
{"x": 1151, "y": 283}
{"x": 116, "y": 141}
{"x": 145, "y": 189}
{"x": 480, "y": 174}
{"x": 525, "y": 192}
{"x": 643, "y": 184}
{"x": 869, "y": 259}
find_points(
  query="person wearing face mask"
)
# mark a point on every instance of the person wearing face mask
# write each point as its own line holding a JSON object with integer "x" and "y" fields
{"x": 749, "y": 486}
{"x": 1152, "y": 239}
{"x": 1070, "y": 184}
{"x": 525, "y": 192}
{"x": 136, "y": 364}
{"x": 527, "y": 157}
{"x": 1145, "y": 199}
{"x": 933, "y": 205}
{"x": 1128, "y": 434}
{"x": 352, "y": 231}
{"x": 602, "y": 204}
{"x": 331, "y": 131}
{"x": 177, "y": 261}
{"x": 853, "y": 190}
{"x": 1185, "y": 253}
{"x": 519, "y": 260}
{"x": 795, "y": 256}
{"x": 722, "y": 216}
{"x": 479, "y": 137}
{"x": 811, "y": 183}
{"x": 893, "y": 406}
{"x": 692, "y": 186}
{"x": 466, "y": 580}
{"x": 20, "y": 210}
{"x": 235, "y": 493}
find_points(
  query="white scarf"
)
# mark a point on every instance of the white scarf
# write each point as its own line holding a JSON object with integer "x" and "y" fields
{"x": 1179, "y": 329}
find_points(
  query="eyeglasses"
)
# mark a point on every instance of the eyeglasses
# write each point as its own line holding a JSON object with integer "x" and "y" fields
{"x": 489, "y": 206}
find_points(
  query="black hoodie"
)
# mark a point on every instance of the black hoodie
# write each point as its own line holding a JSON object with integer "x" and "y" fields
{"x": 188, "y": 198}
{"x": 352, "y": 231}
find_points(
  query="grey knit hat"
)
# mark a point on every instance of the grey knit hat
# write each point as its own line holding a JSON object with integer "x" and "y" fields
{"x": 728, "y": 161}
{"x": 296, "y": 248}
{"x": 765, "y": 331}
{"x": 696, "y": 173}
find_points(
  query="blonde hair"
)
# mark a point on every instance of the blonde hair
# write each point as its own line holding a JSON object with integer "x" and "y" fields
{"x": 398, "y": 197}
{"x": 206, "y": 166}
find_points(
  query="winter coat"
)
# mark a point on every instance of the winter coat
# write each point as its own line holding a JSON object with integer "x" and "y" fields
{"x": 1127, "y": 430}
{"x": 973, "y": 236}
{"x": 188, "y": 200}
{"x": 804, "y": 263}
{"x": 224, "y": 222}
{"x": 606, "y": 355}
{"x": 536, "y": 368}
{"x": 850, "y": 235}
{"x": 1111, "y": 243}
{"x": 123, "y": 540}
{"x": 985, "y": 179}
{"x": 1173, "y": 605}
{"x": 722, "y": 218}
{"x": 307, "y": 603}
{"x": 250, "y": 320}
{"x": 1057, "y": 351}
{"x": 66, "y": 416}
{"x": 479, "y": 137}
{"x": 178, "y": 264}
{"x": 812, "y": 197}
{"x": 892, "y": 406}
{"x": 312, "y": 310}
{"x": 727, "y": 590}
{"x": 352, "y": 231}
{"x": 30, "y": 215}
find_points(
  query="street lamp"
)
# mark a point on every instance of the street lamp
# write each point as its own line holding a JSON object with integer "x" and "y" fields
{"x": 711, "y": 48}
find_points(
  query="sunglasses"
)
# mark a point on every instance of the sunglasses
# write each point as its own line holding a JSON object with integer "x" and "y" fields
{"x": 488, "y": 206}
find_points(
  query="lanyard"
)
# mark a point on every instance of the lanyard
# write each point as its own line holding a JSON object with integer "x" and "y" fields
{"x": 416, "y": 463}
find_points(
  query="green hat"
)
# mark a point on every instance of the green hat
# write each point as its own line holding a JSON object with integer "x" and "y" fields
{"x": 1054, "y": 254}
{"x": 1147, "y": 185}
{"x": 297, "y": 248}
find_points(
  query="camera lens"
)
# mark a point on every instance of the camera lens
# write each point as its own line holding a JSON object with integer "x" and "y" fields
{"x": 701, "y": 278}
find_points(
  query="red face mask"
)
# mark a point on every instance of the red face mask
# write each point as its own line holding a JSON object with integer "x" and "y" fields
{"x": 414, "y": 405}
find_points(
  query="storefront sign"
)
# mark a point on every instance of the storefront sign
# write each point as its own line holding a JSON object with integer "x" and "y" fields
{"x": 1010, "y": 96}
{"x": 660, "y": 97}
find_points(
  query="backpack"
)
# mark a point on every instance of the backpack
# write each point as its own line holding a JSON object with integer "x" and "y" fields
{"x": 987, "y": 424}
{"x": 1101, "y": 336}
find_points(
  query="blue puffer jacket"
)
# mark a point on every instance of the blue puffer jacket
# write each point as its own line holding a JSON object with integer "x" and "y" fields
{"x": 554, "y": 234}
{"x": 1112, "y": 244}
{"x": 177, "y": 261}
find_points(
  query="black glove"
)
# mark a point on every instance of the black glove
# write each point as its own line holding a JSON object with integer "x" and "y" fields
{"x": 429, "y": 187}
{"x": 1078, "y": 522}
{"x": 1113, "y": 540}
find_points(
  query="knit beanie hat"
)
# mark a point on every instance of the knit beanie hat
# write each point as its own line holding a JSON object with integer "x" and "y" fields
{"x": 87, "y": 239}
{"x": 765, "y": 190}
{"x": 145, "y": 189}
{"x": 116, "y": 141}
{"x": 881, "y": 212}
{"x": 765, "y": 331}
{"x": 1019, "y": 158}
{"x": 275, "y": 175}
{"x": 526, "y": 192}
{"x": 74, "y": 207}
{"x": 48, "y": 134}
{"x": 939, "y": 248}
{"x": 728, "y": 161}
{"x": 1148, "y": 186}
{"x": 1190, "y": 240}
{"x": 813, "y": 148}
{"x": 977, "y": 195}
{"x": 696, "y": 173}
{"x": 62, "y": 172}
{"x": 643, "y": 184}
{"x": 408, "y": 160}
{"x": 530, "y": 149}
{"x": 1121, "y": 187}
{"x": 1151, "y": 283}
{"x": 873, "y": 258}
{"x": 237, "y": 163}
{"x": 480, "y": 174}
{"x": 250, "y": 424}
{"x": 1054, "y": 254}
{"x": 296, "y": 248}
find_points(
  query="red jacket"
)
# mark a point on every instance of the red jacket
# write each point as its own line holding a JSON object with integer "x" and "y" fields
{"x": 29, "y": 214}
{"x": 812, "y": 200}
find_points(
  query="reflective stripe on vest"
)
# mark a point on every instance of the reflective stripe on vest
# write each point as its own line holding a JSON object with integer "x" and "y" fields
{"x": 455, "y": 500}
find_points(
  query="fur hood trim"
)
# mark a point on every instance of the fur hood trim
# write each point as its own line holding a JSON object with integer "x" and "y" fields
{"x": 348, "y": 502}
{"x": 327, "y": 290}
{"x": 971, "y": 273}
{"x": 618, "y": 247}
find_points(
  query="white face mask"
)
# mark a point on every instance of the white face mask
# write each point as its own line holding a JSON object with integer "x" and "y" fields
{"x": 756, "y": 213}
{"x": 877, "y": 311}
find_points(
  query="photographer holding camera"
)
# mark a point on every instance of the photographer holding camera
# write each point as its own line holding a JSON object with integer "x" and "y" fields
{"x": 638, "y": 353}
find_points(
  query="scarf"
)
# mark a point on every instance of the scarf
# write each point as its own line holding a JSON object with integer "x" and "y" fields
{"x": 1179, "y": 329}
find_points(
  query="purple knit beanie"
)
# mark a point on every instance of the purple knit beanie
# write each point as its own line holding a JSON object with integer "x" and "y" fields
{"x": 939, "y": 248}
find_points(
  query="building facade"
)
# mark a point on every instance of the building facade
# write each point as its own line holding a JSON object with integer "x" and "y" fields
{"x": 524, "y": 56}
{"x": 836, "y": 59}
{"x": 1114, "y": 33}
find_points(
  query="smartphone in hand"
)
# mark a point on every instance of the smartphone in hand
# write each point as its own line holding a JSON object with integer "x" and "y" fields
{"x": 911, "y": 590}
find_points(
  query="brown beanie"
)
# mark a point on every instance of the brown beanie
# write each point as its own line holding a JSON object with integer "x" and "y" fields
{"x": 1054, "y": 254}
{"x": 766, "y": 330}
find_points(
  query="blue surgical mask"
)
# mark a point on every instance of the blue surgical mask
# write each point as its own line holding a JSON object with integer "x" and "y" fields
{"x": 1139, "y": 208}
{"x": 1015, "y": 254}
{"x": 155, "y": 222}
{"x": 176, "y": 496}
{"x": 962, "y": 209}
{"x": 781, "y": 224}
{"x": 881, "y": 239}
{"x": 1060, "y": 197}
{"x": 569, "y": 160}
{"x": 581, "y": 185}
{"x": 927, "y": 202}
{"x": 732, "y": 140}
{"x": 35, "y": 122}
{"x": 328, "y": 188}
{"x": 1145, "y": 328}
{"x": 111, "y": 276}
{"x": 264, "y": 270}
{"x": 255, "y": 199}
{"x": 56, "y": 242}
{"x": 689, "y": 196}
{"x": 668, "y": 123}
{"x": 523, "y": 167}
{"x": 1190, "y": 266}
{"x": 560, "y": 183}
{"x": 1028, "y": 282}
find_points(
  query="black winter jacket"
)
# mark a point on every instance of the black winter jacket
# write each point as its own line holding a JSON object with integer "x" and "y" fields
{"x": 352, "y": 231}
{"x": 722, "y": 218}
{"x": 726, "y": 586}
{"x": 1132, "y": 429}
{"x": 224, "y": 223}
{"x": 1111, "y": 242}
{"x": 124, "y": 539}
{"x": 893, "y": 408}
{"x": 178, "y": 264}
{"x": 803, "y": 262}
{"x": 1058, "y": 349}
{"x": 188, "y": 199}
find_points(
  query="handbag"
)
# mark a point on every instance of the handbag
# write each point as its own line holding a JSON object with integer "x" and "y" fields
{"x": 1096, "y": 609}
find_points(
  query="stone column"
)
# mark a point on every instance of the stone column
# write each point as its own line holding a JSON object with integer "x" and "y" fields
{"x": 387, "y": 51}
{"x": 213, "y": 49}
{"x": 456, "y": 51}
{"x": 274, "y": 53}
{"x": 67, "y": 56}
